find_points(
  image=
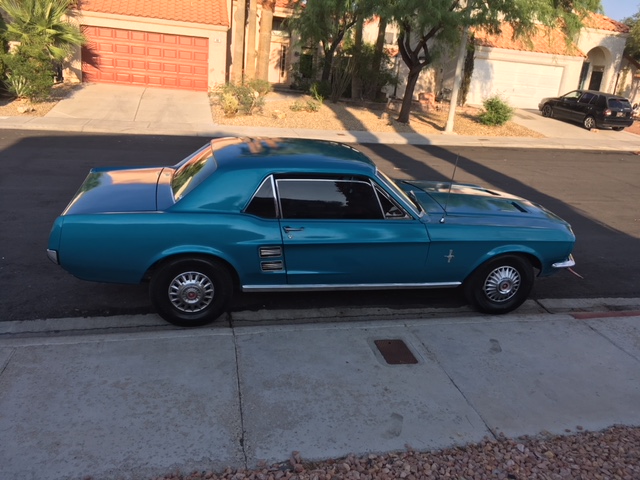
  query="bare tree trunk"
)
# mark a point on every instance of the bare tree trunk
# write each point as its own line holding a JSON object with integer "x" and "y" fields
{"x": 356, "y": 81}
{"x": 238, "y": 42}
{"x": 407, "y": 100}
{"x": 250, "y": 68}
{"x": 264, "y": 39}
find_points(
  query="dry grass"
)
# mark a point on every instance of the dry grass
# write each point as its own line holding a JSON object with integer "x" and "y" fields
{"x": 373, "y": 118}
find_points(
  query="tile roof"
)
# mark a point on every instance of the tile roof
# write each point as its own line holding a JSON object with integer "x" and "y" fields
{"x": 285, "y": 3}
{"x": 546, "y": 40}
{"x": 595, "y": 20}
{"x": 210, "y": 12}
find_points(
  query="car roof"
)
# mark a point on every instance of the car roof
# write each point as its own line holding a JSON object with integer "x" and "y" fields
{"x": 608, "y": 95}
{"x": 243, "y": 163}
{"x": 292, "y": 155}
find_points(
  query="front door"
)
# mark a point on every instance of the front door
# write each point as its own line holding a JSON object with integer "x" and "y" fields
{"x": 335, "y": 232}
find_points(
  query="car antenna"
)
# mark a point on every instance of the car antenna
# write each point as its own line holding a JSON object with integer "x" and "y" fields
{"x": 446, "y": 203}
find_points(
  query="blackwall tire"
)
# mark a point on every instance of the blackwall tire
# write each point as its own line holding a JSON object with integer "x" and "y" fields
{"x": 191, "y": 292}
{"x": 547, "y": 111}
{"x": 500, "y": 285}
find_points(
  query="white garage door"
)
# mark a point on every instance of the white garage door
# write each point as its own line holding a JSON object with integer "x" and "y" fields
{"x": 521, "y": 84}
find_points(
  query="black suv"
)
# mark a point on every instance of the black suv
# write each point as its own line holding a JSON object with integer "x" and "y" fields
{"x": 592, "y": 109}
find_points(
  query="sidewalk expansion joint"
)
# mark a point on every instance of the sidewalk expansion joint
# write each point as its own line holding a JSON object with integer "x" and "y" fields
{"x": 240, "y": 399}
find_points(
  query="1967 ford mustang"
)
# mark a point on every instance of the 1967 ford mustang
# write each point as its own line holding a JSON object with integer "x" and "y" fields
{"x": 277, "y": 215}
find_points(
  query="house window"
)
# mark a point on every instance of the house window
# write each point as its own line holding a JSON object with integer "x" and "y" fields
{"x": 306, "y": 65}
{"x": 279, "y": 28}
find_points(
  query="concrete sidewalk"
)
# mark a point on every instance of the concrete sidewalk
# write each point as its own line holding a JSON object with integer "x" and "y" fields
{"x": 138, "y": 405}
{"x": 104, "y": 108}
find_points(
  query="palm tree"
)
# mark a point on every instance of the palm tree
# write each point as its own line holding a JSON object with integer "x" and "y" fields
{"x": 42, "y": 22}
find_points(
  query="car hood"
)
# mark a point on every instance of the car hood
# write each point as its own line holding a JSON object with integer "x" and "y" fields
{"x": 463, "y": 199}
{"x": 117, "y": 190}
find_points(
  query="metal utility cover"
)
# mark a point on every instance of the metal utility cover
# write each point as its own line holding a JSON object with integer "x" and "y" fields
{"x": 395, "y": 352}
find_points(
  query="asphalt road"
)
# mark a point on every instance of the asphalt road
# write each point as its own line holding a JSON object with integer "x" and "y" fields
{"x": 597, "y": 192}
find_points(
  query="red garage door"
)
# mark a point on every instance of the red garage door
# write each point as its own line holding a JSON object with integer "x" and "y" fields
{"x": 145, "y": 58}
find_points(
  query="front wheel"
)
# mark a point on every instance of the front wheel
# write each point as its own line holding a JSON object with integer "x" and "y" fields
{"x": 191, "y": 292}
{"x": 500, "y": 285}
{"x": 589, "y": 123}
{"x": 547, "y": 111}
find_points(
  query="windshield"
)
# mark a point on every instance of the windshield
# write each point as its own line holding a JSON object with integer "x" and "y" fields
{"x": 391, "y": 184}
{"x": 192, "y": 171}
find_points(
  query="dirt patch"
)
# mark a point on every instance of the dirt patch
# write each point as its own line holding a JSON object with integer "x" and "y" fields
{"x": 277, "y": 113}
{"x": 16, "y": 107}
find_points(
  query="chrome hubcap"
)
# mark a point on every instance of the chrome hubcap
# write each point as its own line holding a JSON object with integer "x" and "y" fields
{"x": 502, "y": 284}
{"x": 191, "y": 292}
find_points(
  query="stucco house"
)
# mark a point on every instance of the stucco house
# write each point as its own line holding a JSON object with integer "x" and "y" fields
{"x": 629, "y": 80}
{"x": 547, "y": 65}
{"x": 189, "y": 45}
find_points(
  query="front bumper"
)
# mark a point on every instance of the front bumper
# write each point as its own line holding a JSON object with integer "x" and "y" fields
{"x": 568, "y": 263}
{"x": 53, "y": 256}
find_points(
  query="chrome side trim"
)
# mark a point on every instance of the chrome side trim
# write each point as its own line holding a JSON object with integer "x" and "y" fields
{"x": 568, "y": 263}
{"x": 355, "y": 286}
{"x": 53, "y": 256}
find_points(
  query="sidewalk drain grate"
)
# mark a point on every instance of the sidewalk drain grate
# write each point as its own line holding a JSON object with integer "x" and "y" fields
{"x": 395, "y": 352}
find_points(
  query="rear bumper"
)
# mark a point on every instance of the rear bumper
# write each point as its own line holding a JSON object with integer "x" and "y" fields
{"x": 615, "y": 122}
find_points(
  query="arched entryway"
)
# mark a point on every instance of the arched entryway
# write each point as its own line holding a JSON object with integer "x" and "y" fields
{"x": 596, "y": 70}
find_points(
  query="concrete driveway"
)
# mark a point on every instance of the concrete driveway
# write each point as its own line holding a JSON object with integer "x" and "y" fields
{"x": 117, "y": 103}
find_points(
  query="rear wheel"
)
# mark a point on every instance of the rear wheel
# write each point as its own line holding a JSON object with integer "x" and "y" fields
{"x": 191, "y": 292}
{"x": 547, "y": 111}
{"x": 618, "y": 129}
{"x": 500, "y": 285}
{"x": 589, "y": 123}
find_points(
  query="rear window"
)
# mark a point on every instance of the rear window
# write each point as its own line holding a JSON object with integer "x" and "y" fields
{"x": 619, "y": 103}
{"x": 192, "y": 171}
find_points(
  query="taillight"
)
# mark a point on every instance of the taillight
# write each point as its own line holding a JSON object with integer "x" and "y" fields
{"x": 607, "y": 113}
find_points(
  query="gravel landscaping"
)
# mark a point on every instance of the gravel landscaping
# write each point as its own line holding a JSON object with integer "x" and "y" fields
{"x": 347, "y": 115}
{"x": 612, "y": 454}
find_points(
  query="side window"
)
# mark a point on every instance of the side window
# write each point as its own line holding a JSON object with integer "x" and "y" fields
{"x": 572, "y": 96}
{"x": 327, "y": 198}
{"x": 586, "y": 97}
{"x": 263, "y": 203}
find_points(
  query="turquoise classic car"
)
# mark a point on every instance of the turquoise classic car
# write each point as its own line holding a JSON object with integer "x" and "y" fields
{"x": 284, "y": 215}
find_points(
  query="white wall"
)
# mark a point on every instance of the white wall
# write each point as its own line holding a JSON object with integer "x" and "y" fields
{"x": 612, "y": 45}
{"x": 532, "y": 77}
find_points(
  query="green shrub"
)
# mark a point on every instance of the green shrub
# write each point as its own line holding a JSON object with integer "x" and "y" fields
{"x": 248, "y": 95}
{"x": 320, "y": 90}
{"x": 229, "y": 104}
{"x": 29, "y": 73}
{"x": 310, "y": 105}
{"x": 496, "y": 112}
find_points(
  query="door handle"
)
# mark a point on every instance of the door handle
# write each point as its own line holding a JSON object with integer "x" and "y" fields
{"x": 291, "y": 229}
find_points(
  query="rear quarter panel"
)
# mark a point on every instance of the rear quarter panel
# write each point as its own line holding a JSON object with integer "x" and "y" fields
{"x": 120, "y": 248}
